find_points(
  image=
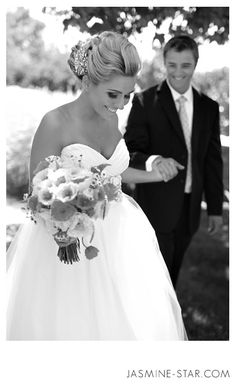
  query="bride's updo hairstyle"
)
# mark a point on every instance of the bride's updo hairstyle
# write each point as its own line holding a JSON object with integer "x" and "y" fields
{"x": 104, "y": 56}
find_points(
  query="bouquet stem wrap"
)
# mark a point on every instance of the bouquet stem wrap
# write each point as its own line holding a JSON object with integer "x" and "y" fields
{"x": 68, "y": 254}
{"x": 68, "y": 251}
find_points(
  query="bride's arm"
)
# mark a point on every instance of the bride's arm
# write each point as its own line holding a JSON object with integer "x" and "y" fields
{"x": 46, "y": 142}
{"x": 133, "y": 175}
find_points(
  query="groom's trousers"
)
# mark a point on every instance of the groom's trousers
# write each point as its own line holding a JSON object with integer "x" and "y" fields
{"x": 174, "y": 244}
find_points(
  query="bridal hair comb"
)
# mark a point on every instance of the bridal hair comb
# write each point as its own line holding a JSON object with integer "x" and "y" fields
{"x": 78, "y": 60}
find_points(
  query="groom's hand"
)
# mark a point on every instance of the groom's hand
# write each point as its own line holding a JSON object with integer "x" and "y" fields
{"x": 167, "y": 167}
{"x": 215, "y": 224}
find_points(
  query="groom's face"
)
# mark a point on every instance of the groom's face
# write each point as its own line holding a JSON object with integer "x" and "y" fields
{"x": 180, "y": 67}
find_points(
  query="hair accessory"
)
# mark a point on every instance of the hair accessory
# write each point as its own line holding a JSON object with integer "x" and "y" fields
{"x": 78, "y": 60}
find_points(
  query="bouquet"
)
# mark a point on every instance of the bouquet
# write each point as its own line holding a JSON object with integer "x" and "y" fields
{"x": 69, "y": 199}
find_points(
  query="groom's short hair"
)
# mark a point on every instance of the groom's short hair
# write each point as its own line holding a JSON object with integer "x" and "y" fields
{"x": 181, "y": 43}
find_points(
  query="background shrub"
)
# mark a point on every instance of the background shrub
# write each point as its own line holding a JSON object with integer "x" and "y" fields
{"x": 18, "y": 153}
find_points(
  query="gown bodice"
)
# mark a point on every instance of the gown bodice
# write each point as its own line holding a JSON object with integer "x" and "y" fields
{"x": 87, "y": 156}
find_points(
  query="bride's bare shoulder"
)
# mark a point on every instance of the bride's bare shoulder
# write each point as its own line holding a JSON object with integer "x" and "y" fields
{"x": 50, "y": 132}
{"x": 56, "y": 117}
{"x": 55, "y": 122}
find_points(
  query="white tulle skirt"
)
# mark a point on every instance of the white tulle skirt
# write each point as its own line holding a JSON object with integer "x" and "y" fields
{"x": 125, "y": 293}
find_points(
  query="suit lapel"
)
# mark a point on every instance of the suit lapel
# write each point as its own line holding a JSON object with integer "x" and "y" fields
{"x": 169, "y": 108}
{"x": 166, "y": 100}
{"x": 198, "y": 114}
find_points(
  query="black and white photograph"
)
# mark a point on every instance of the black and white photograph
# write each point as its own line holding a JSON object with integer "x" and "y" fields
{"x": 117, "y": 168}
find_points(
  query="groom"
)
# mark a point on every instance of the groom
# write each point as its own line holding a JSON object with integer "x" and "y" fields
{"x": 174, "y": 123}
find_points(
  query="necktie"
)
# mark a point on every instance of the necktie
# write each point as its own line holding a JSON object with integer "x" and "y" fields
{"x": 187, "y": 135}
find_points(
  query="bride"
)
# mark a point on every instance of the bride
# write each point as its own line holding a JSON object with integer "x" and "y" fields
{"x": 124, "y": 293}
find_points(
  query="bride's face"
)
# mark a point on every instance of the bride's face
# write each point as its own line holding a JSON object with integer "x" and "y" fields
{"x": 107, "y": 97}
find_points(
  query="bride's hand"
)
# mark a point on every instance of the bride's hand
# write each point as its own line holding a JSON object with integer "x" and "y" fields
{"x": 156, "y": 175}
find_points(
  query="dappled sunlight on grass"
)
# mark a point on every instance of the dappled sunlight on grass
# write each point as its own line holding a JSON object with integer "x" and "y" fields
{"x": 203, "y": 286}
{"x": 200, "y": 318}
{"x": 225, "y": 236}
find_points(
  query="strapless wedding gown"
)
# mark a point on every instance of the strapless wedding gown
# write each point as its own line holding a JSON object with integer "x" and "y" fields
{"x": 125, "y": 293}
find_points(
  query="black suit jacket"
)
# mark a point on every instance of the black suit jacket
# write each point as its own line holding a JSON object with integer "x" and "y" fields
{"x": 154, "y": 128}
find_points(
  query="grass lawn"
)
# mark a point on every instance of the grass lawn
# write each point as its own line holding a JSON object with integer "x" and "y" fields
{"x": 203, "y": 286}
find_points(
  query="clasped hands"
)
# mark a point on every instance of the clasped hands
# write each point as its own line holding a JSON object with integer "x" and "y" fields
{"x": 166, "y": 167}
